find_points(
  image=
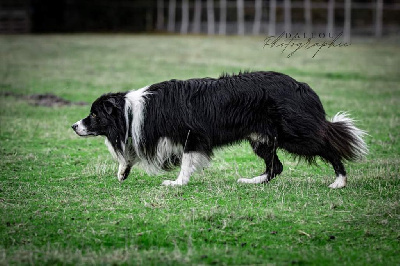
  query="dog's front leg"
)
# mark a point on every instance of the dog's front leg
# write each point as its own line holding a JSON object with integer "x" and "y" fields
{"x": 123, "y": 171}
{"x": 191, "y": 161}
{"x": 125, "y": 161}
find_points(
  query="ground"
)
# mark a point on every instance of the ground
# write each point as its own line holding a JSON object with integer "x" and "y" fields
{"x": 60, "y": 201}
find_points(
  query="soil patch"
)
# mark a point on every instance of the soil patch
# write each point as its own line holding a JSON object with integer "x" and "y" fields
{"x": 47, "y": 99}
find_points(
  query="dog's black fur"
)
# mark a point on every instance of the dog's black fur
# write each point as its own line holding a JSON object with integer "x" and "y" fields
{"x": 203, "y": 114}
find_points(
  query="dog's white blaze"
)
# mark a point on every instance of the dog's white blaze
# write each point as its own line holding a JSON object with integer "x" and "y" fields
{"x": 254, "y": 180}
{"x": 134, "y": 104}
{"x": 340, "y": 182}
{"x": 191, "y": 162}
{"x": 360, "y": 147}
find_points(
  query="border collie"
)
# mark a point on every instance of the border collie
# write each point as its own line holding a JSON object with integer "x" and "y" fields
{"x": 181, "y": 122}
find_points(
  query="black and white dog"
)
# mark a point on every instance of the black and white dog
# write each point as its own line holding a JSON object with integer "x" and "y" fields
{"x": 180, "y": 123}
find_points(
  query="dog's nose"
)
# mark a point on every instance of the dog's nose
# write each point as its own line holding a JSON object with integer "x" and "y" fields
{"x": 74, "y": 126}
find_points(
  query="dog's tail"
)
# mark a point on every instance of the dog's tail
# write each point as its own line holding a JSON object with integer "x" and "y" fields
{"x": 346, "y": 138}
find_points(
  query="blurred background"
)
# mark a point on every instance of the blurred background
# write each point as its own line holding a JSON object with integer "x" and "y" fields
{"x": 374, "y": 18}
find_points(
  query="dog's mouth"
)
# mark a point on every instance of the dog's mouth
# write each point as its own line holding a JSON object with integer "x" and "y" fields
{"x": 86, "y": 134}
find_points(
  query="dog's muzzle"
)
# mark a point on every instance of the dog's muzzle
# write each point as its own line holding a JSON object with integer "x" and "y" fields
{"x": 81, "y": 130}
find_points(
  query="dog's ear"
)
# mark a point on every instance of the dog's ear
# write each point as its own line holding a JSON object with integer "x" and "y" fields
{"x": 109, "y": 105}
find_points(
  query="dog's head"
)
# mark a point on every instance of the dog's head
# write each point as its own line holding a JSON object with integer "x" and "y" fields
{"x": 106, "y": 114}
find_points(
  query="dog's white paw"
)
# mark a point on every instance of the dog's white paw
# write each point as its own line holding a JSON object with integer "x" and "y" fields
{"x": 172, "y": 183}
{"x": 123, "y": 172}
{"x": 337, "y": 185}
{"x": 245, "y": 181}
{"x": 340, "y": 182}
{"x": 122, "y": 175}
{"x": 255, "y": 180}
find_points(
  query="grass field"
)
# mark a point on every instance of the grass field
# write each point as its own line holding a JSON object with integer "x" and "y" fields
{"x": 60, "y": 202}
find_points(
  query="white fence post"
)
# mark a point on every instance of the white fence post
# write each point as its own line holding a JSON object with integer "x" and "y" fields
{"x": 197, "y": 16}
{"x": 257, "y": 17}
{"x": 378, "y": 18}
{"x": 272, "y": 18}
{"x": 347, "y": 21}
{"x": 240, "y": 16}
{"x": 222, "y": 17}
{"x": 171, "y": 15}
{"x": 288, "y": 16}
{"x": 210, "y": 17}
{"x": 185, "y": 17}
{"x": 307, "y": 16}
{"x": 160, "y": 14}
{"x": 330, "y": 27}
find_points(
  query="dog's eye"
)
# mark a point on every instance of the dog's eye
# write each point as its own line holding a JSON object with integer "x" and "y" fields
{"x": 93, "y": 115}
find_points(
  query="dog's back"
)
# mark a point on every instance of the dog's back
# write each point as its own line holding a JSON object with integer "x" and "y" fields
{"x": 231, "y": 108}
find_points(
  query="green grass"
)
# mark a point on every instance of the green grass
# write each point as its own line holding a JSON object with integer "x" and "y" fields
{"x": 60, "y": 202}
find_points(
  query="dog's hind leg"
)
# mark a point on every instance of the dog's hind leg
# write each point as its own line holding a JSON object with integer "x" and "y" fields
{"x": 274, "y": 167}
{"x": 191, "y": 161}
{"x": 341, "y": 178}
